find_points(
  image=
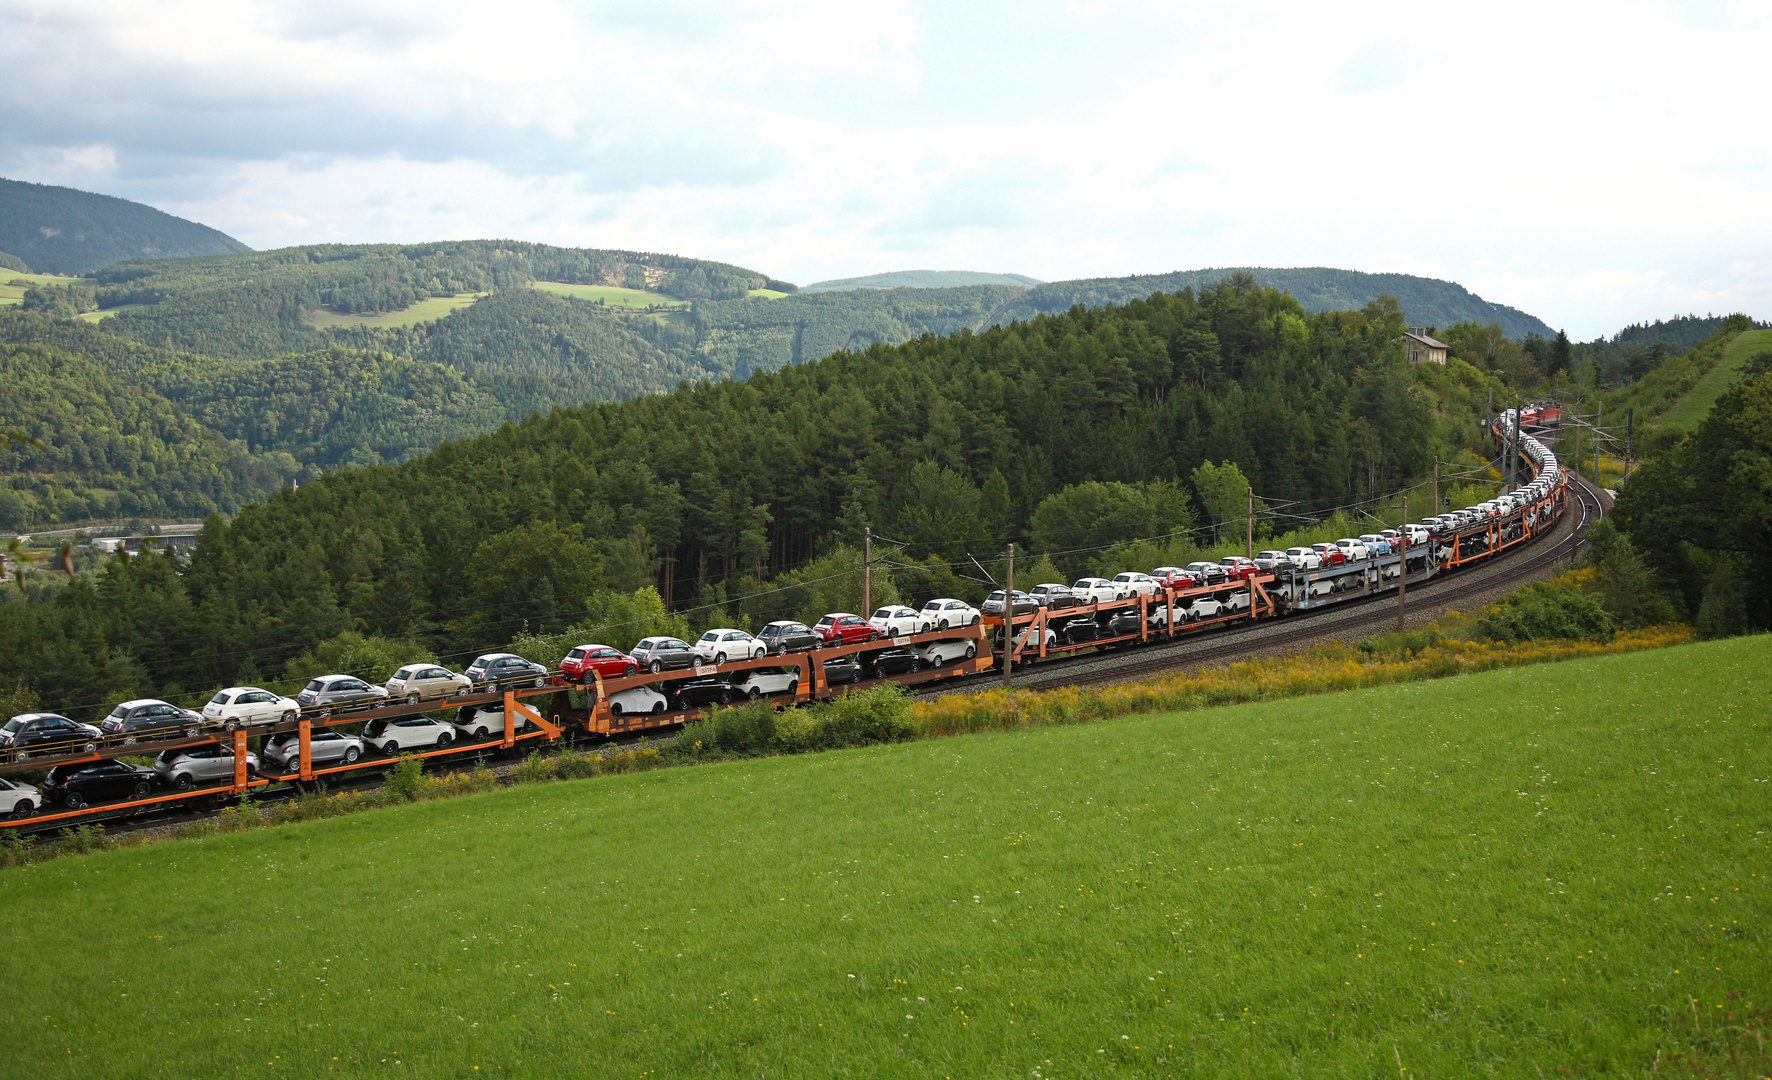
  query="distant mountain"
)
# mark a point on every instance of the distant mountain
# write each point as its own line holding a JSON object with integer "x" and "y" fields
{"x": 920, "y": 279}
{"x": 1425, "y": 301}
{"x": 58, "y": 230}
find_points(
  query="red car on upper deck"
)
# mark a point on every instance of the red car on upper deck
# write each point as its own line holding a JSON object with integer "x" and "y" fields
{"x": 842, "y": 628}
{"x": 602, "y": 659}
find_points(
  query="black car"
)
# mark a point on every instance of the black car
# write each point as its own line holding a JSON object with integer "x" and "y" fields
{"x": 74, "y": 786}
{"x": 148, "y": 717}
{"x": 656, "y": 654}
{"x": 842, "y": 669}
{"x": 46, "y": 733}
{"x": 893, "y": 662}
{"x": 1079, "y": 631}
{"x": 709, "y": 691}
{"x": 788, "y": 636}
{"x": 495, "y": 671}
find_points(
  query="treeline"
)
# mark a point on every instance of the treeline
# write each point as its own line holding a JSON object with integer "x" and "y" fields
{"x": 1701, "y": 511}
{"x": 59, "y": 230}
{"x": 112, "y": 449}
{"x": 720, "y": 492}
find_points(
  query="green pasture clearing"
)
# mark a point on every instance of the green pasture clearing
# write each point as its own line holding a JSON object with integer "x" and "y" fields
{"x": 1694, "y": 405}
{"x": 7, "y": 277}
{"x": 609, "y": 295}
{"x": 105, "y": 313}
{"x": 767, "y": 294}
{"x": 1536, "y": 871}
{"x": 426, "y": 310}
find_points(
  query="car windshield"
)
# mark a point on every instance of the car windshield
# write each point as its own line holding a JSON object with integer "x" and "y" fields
{"x": 827, "y": 621}
{"x": 711, "y": 635}
{"x": 11, "y": 727}
{"x": 315, "y": 685}
{"x": 576, "y": 654}
{"x": 935, "y": 605}
{"x": 883, "y": 613}
{"x": 222, "y": 698}
{"x": 405, "y": 673}
{"x": 998, "y": 596}
{"x": 120, "y": 712}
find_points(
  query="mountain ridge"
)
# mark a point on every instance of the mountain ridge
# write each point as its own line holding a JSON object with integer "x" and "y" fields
{"x": 63, "y": 230}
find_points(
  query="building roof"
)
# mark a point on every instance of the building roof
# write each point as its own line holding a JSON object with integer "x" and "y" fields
{"x": 1420, "y": 334}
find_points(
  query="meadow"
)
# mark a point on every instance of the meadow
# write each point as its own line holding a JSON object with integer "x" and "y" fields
{"x": 1547, "y": 870}
{"x": 609, "y": 295}
{"x": 1694, "y": 404}
{"x": 11, "y": 293}
{"x": 426, "y": 310}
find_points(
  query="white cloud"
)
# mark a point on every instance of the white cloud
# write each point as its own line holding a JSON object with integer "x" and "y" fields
{"x": 1595, "y": 163}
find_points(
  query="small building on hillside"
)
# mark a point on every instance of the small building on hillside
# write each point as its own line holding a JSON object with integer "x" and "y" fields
{"x": 1423, "y": 349}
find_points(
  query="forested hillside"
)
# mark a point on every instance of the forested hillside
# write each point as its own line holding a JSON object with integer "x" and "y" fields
{"x": 1425, "y": 301}
{"x": 111, "y": 449}
{"x": 58, "y": 230}
{"x": 920, "y": 279}
{"x": 1082, "y": 427}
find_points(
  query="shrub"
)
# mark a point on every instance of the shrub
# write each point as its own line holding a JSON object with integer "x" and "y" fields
{"x": 1549, "y": 609}
{"x": 406, "y": 780}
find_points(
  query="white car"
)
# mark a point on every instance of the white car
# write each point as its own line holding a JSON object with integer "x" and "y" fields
{"x": 758, "y": 682}
{"x": 945, "y": 613}
{"x": 1417, "y": 534}
{"x": 637, "y": 701}
{"x": 484, "y": 721}
{"x": 1352, "y": 550}
{"x": 937, "y": 653}
{"x": 1132, "y": 583}
{"x": 724, "y": 643}
{"x": 897, "y": 621}
{"x": 1304, "y": 558}
{"x": 1204, "y": 607}
{"x": 18, "y": 800}
{"x": 416, "y": 681}
{"x": 409, "y": 733}
{"x": 1095, "y": 590}
{"x": 244, "y": 706}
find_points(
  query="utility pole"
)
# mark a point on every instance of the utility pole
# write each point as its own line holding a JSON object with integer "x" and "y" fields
{"x": 1513, "y": 452}
{"x": 1008, "y": 612}
{"x": 1403, "y": 567}
{"x": 1630, "y": 416}
{"x": 867, "y": 571}
{"x": 1578, "y": 446}
{"x": 1436, "y": 485}
{"x": 1249, "y": 531}
{"x": 1599, "y": 430}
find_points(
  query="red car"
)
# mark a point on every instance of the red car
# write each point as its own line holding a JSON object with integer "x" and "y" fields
{"x": 607, "y": 662}
{"x": 1173, "y": 577}
{"x": 1237, "y": 568}
{"x": 842, "y": 628}
{"x": 1330, "y": 554}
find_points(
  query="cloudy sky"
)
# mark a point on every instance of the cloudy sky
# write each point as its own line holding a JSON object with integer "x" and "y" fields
{"x": 1595, "y": 164}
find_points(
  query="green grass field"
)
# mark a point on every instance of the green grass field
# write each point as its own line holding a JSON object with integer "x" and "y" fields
{"x": 1542, "y": 871}
{"x": 1694, "y": 405}
{"x": 15, "y": 294}
{"x": 425, "y": 310}
{"x": 105, "y": 313}
{"x": 610, "y": 295}
{"x": 767, "y": 294}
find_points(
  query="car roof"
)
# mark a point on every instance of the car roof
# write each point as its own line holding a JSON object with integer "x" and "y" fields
{"x": 242, "y": 690}
{"x": 721, "y": 630}
{"x": 493, "y": 656}
{"x": 840, "y": 615}
{"x": 133, "y": 702}
{"x": 787, "y": 622}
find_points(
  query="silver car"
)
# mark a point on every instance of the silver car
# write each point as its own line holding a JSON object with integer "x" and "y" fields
{"x": 341, "y": 693}
{"x": 325, "y": 747}
{"x": 416, "y": 681}
{"x": 193, "y": 765}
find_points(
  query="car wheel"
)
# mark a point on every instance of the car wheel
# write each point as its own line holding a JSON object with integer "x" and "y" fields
{"x": 141, "y": 789}
{"x": 480, "y": 733}
{"x": 974, "y": 621}
{"x": 351, "y": 754}
{"x": 655, "y": 667}
{"x": 629, "y": 670}
{"x": 444, "y": 738}
{"x": 23, "y": 755}
{"x": 412, "y": 699}
{"x": 916, "y": 666}
{"x": 923, "y": 629}
{"x": 540, "y": 681}
{"x": 719, "y": 658}
{"x": 781, "y": 650}
{"x": 657, "y": 707}
{"x": 794, "y": 687}
{"x": 873, "y": 635}
{"x": 73, "y": 801}
{"x": 183, "y": 783}
{"x": 726, "y": 695}
{"x": 231, "y": 725}
{"x": 971, "y": 650}
{"x": 22, "y": 809}
{"x": 289, "y": 717}
{"x": 130, "y": 741}
{"x": 391, "y": 749}
{"x": 191, "y": 732}
{"x": 89, "y": 748}
{"x": 754, "y": 693}
{"x": 615, "y": 708}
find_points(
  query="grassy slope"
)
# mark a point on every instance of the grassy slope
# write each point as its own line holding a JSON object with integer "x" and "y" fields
{"x": 609, "y": 294}
{"x": 1695, "y": 404}
{"x": 1511, "y": 873}
{"x": 426, "y": 310}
